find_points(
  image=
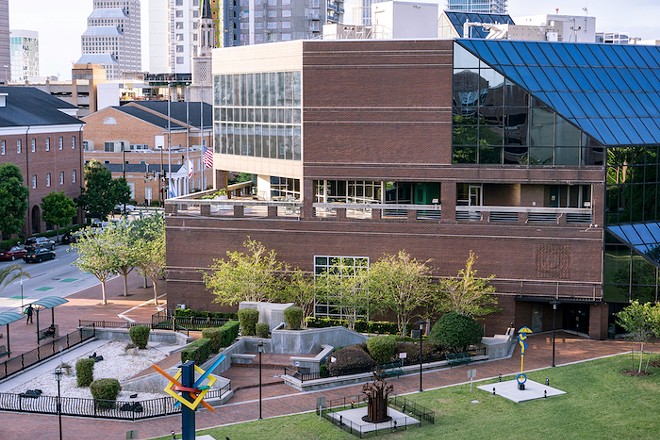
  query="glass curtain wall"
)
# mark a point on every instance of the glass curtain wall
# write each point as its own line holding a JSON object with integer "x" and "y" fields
{"x": 259, "y": 115}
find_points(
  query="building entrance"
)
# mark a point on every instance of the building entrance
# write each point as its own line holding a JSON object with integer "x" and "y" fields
{"x": 576, "y": 318}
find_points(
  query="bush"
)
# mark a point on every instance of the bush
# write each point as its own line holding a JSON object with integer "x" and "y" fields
{"x": 140, "y": 336}
{"x": 204, "y": 314}
{"x": 198, "y": 351}
{"x": 248, "y": 319}
{"x": 229, "y": 333}
{"x": 382, "y": 348}
{"x": 85, "y": 372}
{"x": 455, "y": 332}
{"x": 361, "y": 326}
{"x": 262, "y": 330}
{"x": 429, "y": 351}
{"x": 293, "y": 317}
{"x": 213, "y": 334}
{"x": 350, "y": 360}
{"x": 105, "y": 392}
{"x": 383, "y": 327}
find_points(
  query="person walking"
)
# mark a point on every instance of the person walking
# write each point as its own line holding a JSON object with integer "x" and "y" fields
{"x": 29, "y": 312}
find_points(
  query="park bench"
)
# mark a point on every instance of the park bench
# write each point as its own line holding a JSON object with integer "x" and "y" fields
{"x": 391, "y": 369}
{"x": 3, "y": 351}
{"x": 48, "y": 332}
{"x": 458, "y": 359}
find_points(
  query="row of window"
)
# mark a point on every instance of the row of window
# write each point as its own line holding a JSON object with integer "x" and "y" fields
{"x": 49, "y": 181}
{"x": 33, "y": 145}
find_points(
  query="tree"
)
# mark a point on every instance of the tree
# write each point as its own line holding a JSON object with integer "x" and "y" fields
{"x": 58, "y": 209}
{"x": 95, "y": 256}
{"x": 13, "y": 200}
{"x": 638, "y": 320}
{"x": 455, "y": 332}
{"x": 149, "y": 249}
{"x": 466, "y": 294}
{"x": 250, "y": 276}
{"x": 102, "y": 193}
{"x": 11, "y": 273}
{"x": 299, "y": 288}
{"x": 343, "y": 286}
{"x": 123, "y": 249}
{"x": 400, "y": 283}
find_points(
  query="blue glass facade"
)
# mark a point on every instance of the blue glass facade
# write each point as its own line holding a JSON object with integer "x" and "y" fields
{"x": 457, "y": 20}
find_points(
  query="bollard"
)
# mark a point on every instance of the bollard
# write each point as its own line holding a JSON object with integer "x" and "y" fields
{"x": 500, "y": 378}
{"x": 545, "y": 394}
{"x": 493, "y": 391}
{"x": 547, "y": 381}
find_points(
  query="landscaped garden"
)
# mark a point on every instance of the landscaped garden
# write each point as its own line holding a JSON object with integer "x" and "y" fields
{"x": 601, "y": 402}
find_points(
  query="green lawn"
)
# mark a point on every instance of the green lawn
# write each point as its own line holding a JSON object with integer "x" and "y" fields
{"x": 601, "y": 403}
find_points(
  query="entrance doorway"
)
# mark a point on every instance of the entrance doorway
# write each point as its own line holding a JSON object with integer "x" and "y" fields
{"x": 576, "y": 318}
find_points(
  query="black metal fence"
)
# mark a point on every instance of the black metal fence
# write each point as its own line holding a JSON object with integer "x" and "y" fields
{"x": 81, "y": 407}
{"x": 168, "y": 322}
{"x": 44, "y": 351}
{"x": 109, "y": 324}
{"x": 410, "y": 410}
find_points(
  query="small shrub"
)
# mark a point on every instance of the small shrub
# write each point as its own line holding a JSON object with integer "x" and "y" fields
{"x": 429, "y": 351}
{"x": 455, "y": 332}
{"x": 140, "y": 336}
{"x": 229, "y": 333}
{"x": 248, "y": 319}
{"x": 262, "y": 330}
{"x": 213, "y": 334}
{"x": 382, "y": 348}
{"x": 349, "y": 360}
{"x": 383, "y": 327}
{"x": 198, "y": 351}
{"x": 85, "y": 372}
{"x": 293, "y": 317}
{"x": 105, "y": 392}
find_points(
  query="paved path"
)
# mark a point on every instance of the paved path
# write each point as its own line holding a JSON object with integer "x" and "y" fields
{"x": 278, "y": 398}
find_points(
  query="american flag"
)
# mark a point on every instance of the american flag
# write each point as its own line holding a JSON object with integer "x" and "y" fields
{"x": 208, "y": 157}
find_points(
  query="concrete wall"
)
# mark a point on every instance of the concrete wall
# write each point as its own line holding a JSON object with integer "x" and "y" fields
{"x": 310, "y": 340}
{"x": 270, "y": 313}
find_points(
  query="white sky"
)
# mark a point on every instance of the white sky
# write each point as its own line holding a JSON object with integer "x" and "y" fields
{"x": 61, "y": 23}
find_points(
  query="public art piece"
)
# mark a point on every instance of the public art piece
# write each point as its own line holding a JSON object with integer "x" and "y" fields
{"x": 522, "y": 336}
{"x": 377, "y": 393}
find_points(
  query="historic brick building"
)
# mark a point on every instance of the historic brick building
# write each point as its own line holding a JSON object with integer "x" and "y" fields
{"x": 539, "y": 157}
{"x": 41, "y": 135}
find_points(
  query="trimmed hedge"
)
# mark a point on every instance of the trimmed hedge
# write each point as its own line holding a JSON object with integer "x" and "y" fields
{"x": 204, "y": 314}
{"x": 293, "y": 317}
{"x": 382, "y": 348}
{"x": 222, "y": 336}
{"x": 85, "y": 372}
{"x": 140, "y": 336}
{"x": 361, "y": 326}
{"x": 248, "y": 319}
{"x": 198, "y": 351}
{"x": 350, "y": 359}
{"x": 105, "y": 392}
{"x": 262, "y": 330}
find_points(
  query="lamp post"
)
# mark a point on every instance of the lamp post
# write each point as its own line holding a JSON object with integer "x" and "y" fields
{"x": 58, "y": 378}
{"x": 421, "y": 331}
{"x": 260, "y": 348}
{"x": 554, "y": 321}
{"x": 22, "y": 293}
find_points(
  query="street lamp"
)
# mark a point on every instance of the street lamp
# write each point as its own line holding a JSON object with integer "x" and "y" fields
{"x": 22, "y": 293}
{"x": 58, "y": 378}
{"x": 260, "y": 348}
{"x": 421, "y": 331}
{"x": 554, "y": 320}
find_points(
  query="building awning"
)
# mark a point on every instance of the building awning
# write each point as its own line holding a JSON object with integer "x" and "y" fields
{"x": 643, "y": 238}
{"x": 9, "y": 317}
{"x": 50, "y": 301}
{"x": 559, "y": 300}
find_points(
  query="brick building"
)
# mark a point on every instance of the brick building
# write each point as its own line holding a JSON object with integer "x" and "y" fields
{"x": 41, "y": 135}
{"x": 542, "y": 158}
{"x": 141, "y": 140}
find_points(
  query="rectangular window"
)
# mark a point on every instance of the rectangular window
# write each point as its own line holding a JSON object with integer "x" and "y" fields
{"x": 19, "y": 146}
{"x": 61, "y": 142}
{"x": 3, "y": 148}
{"x": 73, "y": 176}
{"x": 48, "y": 180}
{"x": 47, "y": 144}
{"x": 33, "y": 143}
{"x": 61, "y": 177}
{"x": 179, "y": 13}
{"x": 73, "y": 142}
{"x": 34, "y": 181}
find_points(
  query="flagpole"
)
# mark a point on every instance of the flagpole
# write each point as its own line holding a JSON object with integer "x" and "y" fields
{"x": 169, "y": 138}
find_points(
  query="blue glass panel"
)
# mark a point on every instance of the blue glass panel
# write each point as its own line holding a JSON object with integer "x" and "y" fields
{"x": 585, "y": 105}
{"x": 558, "y": 104}
{"x": 525, "y": 53}
{"x": 644, "y": 234}
{"x": 575, "y": 52}
{"x": 621, "y": 51}
{"x": 594, "y": 79}
{"x": 612, "y": 55}
{"x": 642, "y": 77}
{"x": 581, "y": 79}
{"x": 577, "y": 110}
{"x": 623, "y": 104}
{"x": 522, "y": 76}
{"x": 587, "y": 127}
{"x": 565, "y": 74}
{"x": 604, "y": 135}
{"x": 588, "y": 55}
{"x": 597, "y": 103}
{"x": 649, "y": 102}
{"x": 629, "y": 79}
{"x": 638, "y": 109}
{"x": 550, "y": 53}
{"x": 637, "y": 56}
{"x": 652, "y": 127}
{"x": 541, "y": 79}
{"x": 555, "y": 79}
{"x": 620, "y": 135}
{"x": 642, "y": 130}
{"x": 656, "y": 83}
{"x": 630, "y": 234}
{"x": 630, "y": 131}
{"x": 538, "y": 54}
{"x": 654, "y": 230}
{"x": 650, "y": 55}
{"x": 498, "y": 53}
{"x": 611, "y": 105}
{"x": 616, "y": 78}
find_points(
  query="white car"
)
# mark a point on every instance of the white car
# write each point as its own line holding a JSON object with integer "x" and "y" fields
{"x": 120, "y": 209}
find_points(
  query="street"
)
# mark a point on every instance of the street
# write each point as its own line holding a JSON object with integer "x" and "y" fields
{"x": 56, "y": 277}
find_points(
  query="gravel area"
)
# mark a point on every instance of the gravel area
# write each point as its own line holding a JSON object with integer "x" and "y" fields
{"x": 116, "y": 364}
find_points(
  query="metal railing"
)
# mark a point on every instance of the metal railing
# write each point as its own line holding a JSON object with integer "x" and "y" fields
{"x": 109, "y": 324}
{"x": 45, "y": 351}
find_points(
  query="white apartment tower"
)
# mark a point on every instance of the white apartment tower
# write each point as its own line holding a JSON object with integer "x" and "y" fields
{"x": 113, "y": 37}
{"x": 173, "y": 35}
{"x": 482, "y": 6}
{"x": 24, "y": 52}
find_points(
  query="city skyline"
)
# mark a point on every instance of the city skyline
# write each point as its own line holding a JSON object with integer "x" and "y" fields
{"x": 60, "y": 29}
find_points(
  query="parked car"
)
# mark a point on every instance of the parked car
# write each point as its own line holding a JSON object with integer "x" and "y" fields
{"x": 38, "y": 255}
{"x": 119, "y": 209}
{"x": 39, "y": 242}
{"x": 13, "y": 253}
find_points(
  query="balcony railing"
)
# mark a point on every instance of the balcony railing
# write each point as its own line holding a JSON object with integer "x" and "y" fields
{"x": 517, "y": 214}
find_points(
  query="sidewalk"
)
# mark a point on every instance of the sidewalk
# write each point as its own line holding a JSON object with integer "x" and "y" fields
{"x": 278, "y": 399}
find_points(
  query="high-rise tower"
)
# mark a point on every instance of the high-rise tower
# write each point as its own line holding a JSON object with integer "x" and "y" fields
{"x": 483, "y": 6}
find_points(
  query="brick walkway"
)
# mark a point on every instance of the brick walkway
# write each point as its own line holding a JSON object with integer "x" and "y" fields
{"x": 278, "y": 400}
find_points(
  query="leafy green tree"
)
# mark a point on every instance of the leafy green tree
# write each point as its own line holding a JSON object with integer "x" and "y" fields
{"x": 13, "y": 200}
{"x": 455, "y": 332}
{"x": 467, "y": 294}
{"x": 149, "y": 249}
{"x": 10, "y": 273}
{"x": 401, "y": 284}
{"x": 102, "y": 192}
{"x": 249, "y": 276}
{"x": 58, "y": 209}
{"x": 638, "y": 320}
{"x": 123, "y": 249}
{"x": 299, "y": 289}
{"x": 344, "y": 286}
{"x": 95, "y": 256}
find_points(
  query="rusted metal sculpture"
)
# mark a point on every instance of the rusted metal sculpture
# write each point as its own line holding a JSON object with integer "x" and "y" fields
{"x": 377, "y": 393}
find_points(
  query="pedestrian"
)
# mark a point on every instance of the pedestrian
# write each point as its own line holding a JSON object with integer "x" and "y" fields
{"x": 29, "y": 312}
